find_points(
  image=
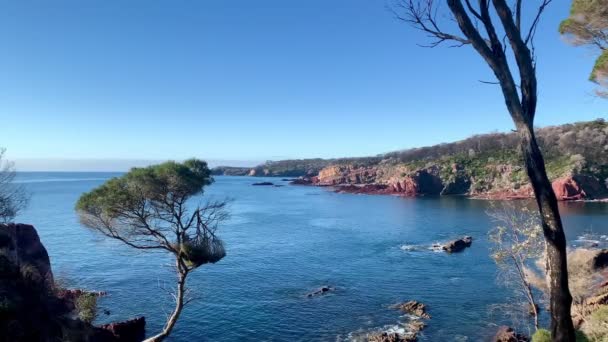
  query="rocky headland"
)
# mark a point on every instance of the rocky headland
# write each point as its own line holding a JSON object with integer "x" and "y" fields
{"x": 485, "y": 166}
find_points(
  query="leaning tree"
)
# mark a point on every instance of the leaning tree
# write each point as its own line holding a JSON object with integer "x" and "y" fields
{"x": 587, "y": 25}
{"x": 151, "y": 209}
{"x": 497, "y": 31}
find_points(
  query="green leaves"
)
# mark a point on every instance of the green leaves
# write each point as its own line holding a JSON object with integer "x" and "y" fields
{"x": 162, "y": 184}
{"x": 600, "y": 69}
{"x": 588, "y": 25}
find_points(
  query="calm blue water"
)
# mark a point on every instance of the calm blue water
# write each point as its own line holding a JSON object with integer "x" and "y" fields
{"x": 282, "y": 243}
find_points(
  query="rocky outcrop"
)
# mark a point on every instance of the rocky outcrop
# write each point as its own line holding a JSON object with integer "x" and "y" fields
{"x": 33, "y": 308}
{"x": 127, "y": 331}
{"x": 507, "y": 334}
{"x": 492, "y": 182}
{"x": 390, "y": 337}
{"x": 21, "y": 246}
{"x": 413, "y": 307}
{"x": 347, "y": 174}
{"x": 579, "y": 187}
{"x": 458, "y": 245}
{"x": 421, "y": 182}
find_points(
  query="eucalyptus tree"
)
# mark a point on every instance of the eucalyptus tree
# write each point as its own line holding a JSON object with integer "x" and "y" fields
{"x": 159, "y": 208}
{"x": 587, "y": 25}
{"x": 502, "y": 33}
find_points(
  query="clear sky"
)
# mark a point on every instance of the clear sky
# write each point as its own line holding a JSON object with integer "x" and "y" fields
{"x": 248, "y": 80}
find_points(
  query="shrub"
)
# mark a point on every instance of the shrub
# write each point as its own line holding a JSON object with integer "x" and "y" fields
{"x": 86, "y": 307}
{"x": 543, "y": 335}
{"x": 596, "y": 326}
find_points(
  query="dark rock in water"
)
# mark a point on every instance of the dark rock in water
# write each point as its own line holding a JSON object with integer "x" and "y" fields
{"x": 320, "y": 291}
{"x": 132, "y": 330}
{"x": 601, "y": 259}
{"x": 458, "y": 245}
{"x": 278, "y": 185}
{"x": 263, "y": 184}
{"x": 303, "y": 181}
{"x": 413, "y": 308}
{"x": 507, "y": 334}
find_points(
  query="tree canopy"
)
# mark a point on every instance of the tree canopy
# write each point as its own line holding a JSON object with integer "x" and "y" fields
{"x": 587, "y": 25}
{"x": 148, "y": 208}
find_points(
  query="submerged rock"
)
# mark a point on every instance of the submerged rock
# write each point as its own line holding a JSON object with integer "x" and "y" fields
{"x": 458, "y": 245}
{"x": 320, "y": 291}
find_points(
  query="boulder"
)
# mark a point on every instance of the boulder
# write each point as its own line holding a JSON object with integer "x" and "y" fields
{"x": 133, "y": 330}
{"x": 507, "y": 334}
{"x": 413, "y": 308}
{"x": 458, "y": 245}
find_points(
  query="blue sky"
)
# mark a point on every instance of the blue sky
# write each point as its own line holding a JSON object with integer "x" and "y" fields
{"x": 246, "y": 80}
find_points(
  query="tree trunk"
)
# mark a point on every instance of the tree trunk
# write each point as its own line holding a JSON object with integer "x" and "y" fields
{"x": 562, "y": 328}
{"x": 179, "y": 306}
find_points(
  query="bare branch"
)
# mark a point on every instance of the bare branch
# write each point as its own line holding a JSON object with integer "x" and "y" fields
{"x": 532, "y": 30}
{"x": 423, "y": 16}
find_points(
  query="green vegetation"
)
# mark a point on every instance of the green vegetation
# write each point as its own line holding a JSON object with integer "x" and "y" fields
{"x": 86, "y": 307}
{"x": 13, "y": 197}
{"x": 571, "y": 148}
{"x": 587, "y": 25}
{"x": 544, "y": 335}
{"x": 541, "y": 335}
{"x": 597, "y": 325}
{"x": 149, "y": 209}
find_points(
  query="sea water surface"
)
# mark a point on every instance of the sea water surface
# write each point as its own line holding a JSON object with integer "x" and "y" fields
{"x": 283, "y": 242}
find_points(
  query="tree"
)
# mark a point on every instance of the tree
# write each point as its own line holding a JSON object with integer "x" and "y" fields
{"x": 517, "y": 242}
{"x": 495, "y": 29}
{"x": 13, "y": 197}
{"x": 149, "y": 209}
{"x": 587, "y": 25}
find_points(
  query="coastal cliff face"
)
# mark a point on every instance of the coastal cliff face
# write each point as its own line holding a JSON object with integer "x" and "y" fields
{"x": 32, "y": 308}
{"x": 485, "y": 166}
{"x": 492, "y": 181}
